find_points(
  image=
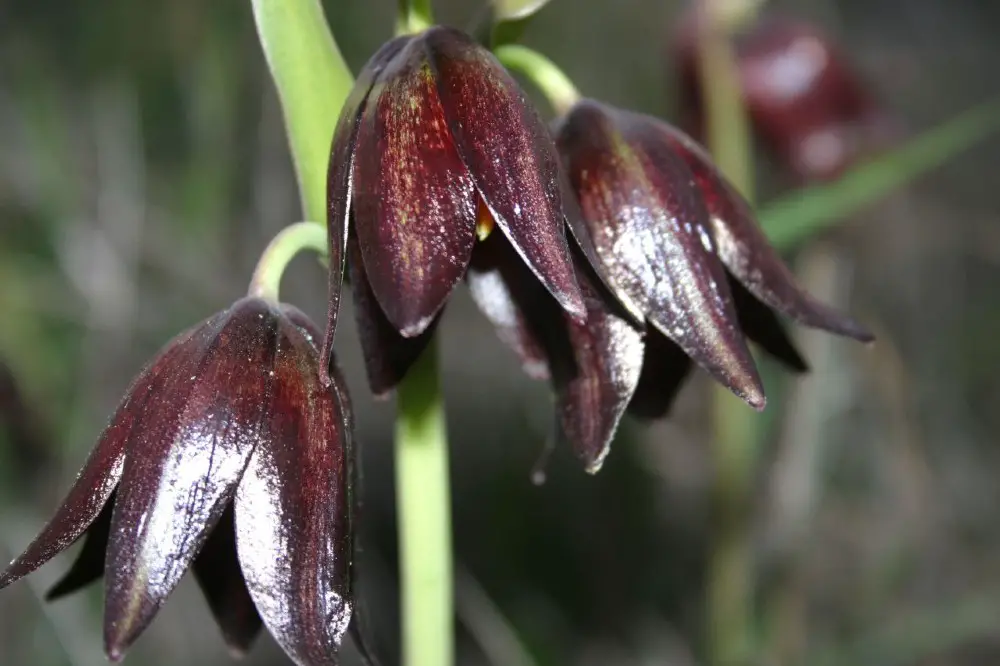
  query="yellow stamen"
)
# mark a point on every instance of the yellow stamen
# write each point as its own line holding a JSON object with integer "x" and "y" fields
{"x": 484, "y": 221}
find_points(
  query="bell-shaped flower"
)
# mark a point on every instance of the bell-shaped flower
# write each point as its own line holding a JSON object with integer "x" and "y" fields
{"x": 228, "y": 456}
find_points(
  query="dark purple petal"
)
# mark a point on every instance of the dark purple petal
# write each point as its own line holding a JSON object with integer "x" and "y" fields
{"x": 414, "y": 201}
{"x": 217, "y": 570}
{"x": 293, "y": 513}
{"x": 495, "y": 272}
{"x": 665, "y": 366}
{"x": 339, "y": 182}
{"x": 89, "y": 563}
{"x": 509, "y": 153}
{"x": 103, "y": 469}
{"x": 762, "y": 326}
{"x": 388, "y": 355}
{"x": 182, "y": 466}
{"x": 746, "y": 252}
{"x": 651, "y": 230}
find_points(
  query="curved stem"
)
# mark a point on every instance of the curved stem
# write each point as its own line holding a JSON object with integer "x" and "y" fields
{"x": 291, "y": 240}
{"x": 545, "y": 74}
{"x": 423, "y": 504}
{"x": 414, "y": 16}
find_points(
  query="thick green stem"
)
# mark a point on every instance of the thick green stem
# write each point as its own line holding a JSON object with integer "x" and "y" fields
{"x": 414, "y": 16}
{"x": 279, "y": 253}
{"x": 423, "y": 503}
{"x": 730, "y": 577}
{"x": 545, "y": 74}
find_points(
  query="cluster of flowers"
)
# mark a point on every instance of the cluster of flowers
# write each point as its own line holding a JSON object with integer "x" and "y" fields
{"x": 231, "y": 452}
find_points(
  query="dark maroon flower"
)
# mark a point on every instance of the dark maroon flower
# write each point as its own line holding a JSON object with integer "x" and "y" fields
{"x": 805, "y": 98}
{"x": 228, "y": 456}
{"x": 434, "y": 146}
{"x": 677, "y": 245}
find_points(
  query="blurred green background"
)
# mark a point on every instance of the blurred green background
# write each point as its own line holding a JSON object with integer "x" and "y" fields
{"x": 143, "y": 166}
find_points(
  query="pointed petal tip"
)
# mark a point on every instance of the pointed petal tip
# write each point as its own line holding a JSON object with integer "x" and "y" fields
{"x": 595, "y": 466}
{"x": 415, "y": 328}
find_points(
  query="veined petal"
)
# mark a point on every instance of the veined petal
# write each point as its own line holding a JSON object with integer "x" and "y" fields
{"x": 665, "y": 366}
{"x": 414, "y": 201}
{"x": 340, "y": 183}
{"x": 510, "y": 155}
{"x": 746, "y": 252}
{"x": 293, "y": 513}
{"x": 651, "y": 230}
{"x": 103, "y": 469}
{"x": 217, "y": 570}
{"x": 388, "y": 355}
{"x": 182, "y": 466}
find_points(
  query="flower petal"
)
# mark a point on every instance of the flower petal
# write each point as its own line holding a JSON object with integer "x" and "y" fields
{"x": 388, "y": 355}
{"x": 89, "y": 563}
{"x": 746, "y": 252}
{"x": 182, "y": 466}
{"x": 665, "y": 366}
{"x": 763, "y": 327}
{"x": 651, "y": 230}
{"x": 340, "y": 184}
{"x": 510, "y": 155}
{"x": 414, "y": 201}
{"x": 217, "y": 570}
{"x": 102, "y": 471}
{"x": 293, "y": 514}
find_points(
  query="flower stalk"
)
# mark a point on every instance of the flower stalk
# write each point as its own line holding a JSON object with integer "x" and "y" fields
{"x": 291, "y": 240}
{"x": 551, "y": 81}
{"x": 413, "y": 16}
{"x": 423, "y": 501}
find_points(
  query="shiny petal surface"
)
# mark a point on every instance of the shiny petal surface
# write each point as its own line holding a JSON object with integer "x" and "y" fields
{"x": 89, "y": 563}
{"x": 103, "y": 469}
{"x": 495, "y": 273}
{"x": 510, "y": 155}
{"x": 293, "y": 513}
{"x": 745, "y": 250}
{"x": 414, "y": 201}
{"x": 762, "y": 326}
{"x": 651, "y": 230}
{"x": 665, "y": 366}
{"x": 388, "y": 355}
{"x": 340, "y": 184}
{"x": 217, "y": 570}
{"x": 182, "y": 466}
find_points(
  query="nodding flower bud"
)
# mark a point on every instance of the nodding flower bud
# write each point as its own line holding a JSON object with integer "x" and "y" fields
{"x": 229, "y": 456}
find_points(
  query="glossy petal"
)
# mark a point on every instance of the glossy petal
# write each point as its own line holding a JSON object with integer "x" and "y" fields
{"x": 414, "y": 201}
{"x": 293, "y": 513}
{"x": 217, "y": 570}
{"x": 388, "y": 355}
{"x": 762, "y": 326}
{"x": 340, "y": 183}
{"x": 665, "y": 366}
{"x": 103, "y": 469}
{"x": 745, "y": 250}
{"x": 182, "y": 465}
{"x": 509, "y": 153}
{"x": 89, "y": 563}
{"x": 651, "y": 231}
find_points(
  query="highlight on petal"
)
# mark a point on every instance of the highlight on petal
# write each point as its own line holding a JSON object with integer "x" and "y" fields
{"x": 651, "y": 230}
{"x": 414, "y": 201}
{"x": 217, "y": 570}
{"x": 292, "y": 513}
{"x": 103, "y": 469}
{"x": 665, "y": 366}
{"x": 182, "y": 466}
{"x": 387, "y": 354}
{"x": 340, "y": 184}
{"x": 746, "y": 252}
{"x": 510, "y": 156}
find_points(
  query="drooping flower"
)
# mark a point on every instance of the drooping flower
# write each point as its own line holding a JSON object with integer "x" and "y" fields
{"x": 230, "y": 457}
{"x": 436, "y": 145}
{"x": 676, "y": 244}
{"x": 806, "y": 100}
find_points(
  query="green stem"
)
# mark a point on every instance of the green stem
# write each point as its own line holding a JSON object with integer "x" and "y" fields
{"x": 312, "y": 80}
{"x": 545, "y": 74}
{"x": 423, "y": 504}
{"x": 730, "y": 577}
{"x": 279, "y": 253}
{"x": 414, "y": 16}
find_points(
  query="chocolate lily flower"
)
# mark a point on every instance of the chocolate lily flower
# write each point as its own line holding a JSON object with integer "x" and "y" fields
{"x": 436, "y": 145}
{"x": 677, "y": 244}
{"x": 230, "y": 457}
